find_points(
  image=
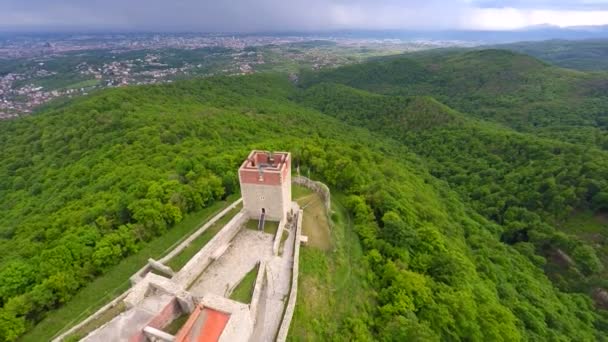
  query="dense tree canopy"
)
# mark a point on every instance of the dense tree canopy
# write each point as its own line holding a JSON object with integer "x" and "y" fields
{"x": 497, "y": 85}
{"x": 455, "y": 216}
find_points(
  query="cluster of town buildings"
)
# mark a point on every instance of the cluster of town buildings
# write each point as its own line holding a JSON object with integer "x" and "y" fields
{"x": 21, "y": 91}
{"x": 26, "y": 46}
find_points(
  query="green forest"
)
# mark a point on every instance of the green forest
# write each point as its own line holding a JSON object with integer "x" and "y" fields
{"x": 587, "y": 55}
{"x": 464, "y": 174}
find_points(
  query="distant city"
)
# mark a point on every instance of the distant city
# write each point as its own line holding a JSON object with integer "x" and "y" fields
{"x": 37, "y": 69}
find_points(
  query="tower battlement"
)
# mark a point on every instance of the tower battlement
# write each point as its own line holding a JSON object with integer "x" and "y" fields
{"x": 265, "y": 179}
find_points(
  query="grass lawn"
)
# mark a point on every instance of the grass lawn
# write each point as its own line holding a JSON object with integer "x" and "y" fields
{"x": 177, "y": 324}
{"x": 270, "y": 227}
{"x": 585, "y": 224}
{"x": 284, "y": 236}
{"x": 331, "y": 284}
{"x": 298, "y": 192}
{"x": 314, "y": 223}
{"x": 96, "y": 323}
{"x": 244, "y": 290}
{"x": 178, "y": 261}
{"x": 116, "y": 280}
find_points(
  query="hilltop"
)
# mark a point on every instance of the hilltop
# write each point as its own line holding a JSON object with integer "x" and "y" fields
{"x": 504, "y": 87}
{"x": 586, "y": 55}
{"x": 380, "y": 111}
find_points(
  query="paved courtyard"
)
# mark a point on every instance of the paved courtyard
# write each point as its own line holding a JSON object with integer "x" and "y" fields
{"x": 246, "y": 249}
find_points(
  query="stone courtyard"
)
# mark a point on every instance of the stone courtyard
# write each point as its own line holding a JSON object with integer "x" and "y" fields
{"x": 246, "y": 250}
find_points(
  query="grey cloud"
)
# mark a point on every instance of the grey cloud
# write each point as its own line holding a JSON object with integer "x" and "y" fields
{"x": 253, "y": 15}
{"x": 230, "y": 15}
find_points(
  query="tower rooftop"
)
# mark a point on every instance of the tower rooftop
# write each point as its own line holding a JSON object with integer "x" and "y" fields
{"x": 269, "y": 161}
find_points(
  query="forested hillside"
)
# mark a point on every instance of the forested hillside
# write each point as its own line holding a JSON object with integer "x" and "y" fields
{"x": 532, "y": 186}
{"x": 455, "y": 216}
{"x": 522, "y": 182}
{"x": 505, "y": 87}
{"x": 590, "y": 55}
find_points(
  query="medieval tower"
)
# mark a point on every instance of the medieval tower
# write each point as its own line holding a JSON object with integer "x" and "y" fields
{"x": 265, "y": 179}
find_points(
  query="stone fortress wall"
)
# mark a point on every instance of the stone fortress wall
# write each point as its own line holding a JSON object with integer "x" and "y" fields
{"x": 293, "y": 293}
{"x": 317, "y": 187}
{"x": 207, "y": 254}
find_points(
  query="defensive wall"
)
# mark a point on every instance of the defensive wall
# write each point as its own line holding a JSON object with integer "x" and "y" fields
{"x": 138, "y": 276}
{"x": 317, "y": 187}
{"x": 167, "y": 315}
{"x": 259, "y": 291}
{"x": 293, "y": 293}
{"x": 188, "y": 274}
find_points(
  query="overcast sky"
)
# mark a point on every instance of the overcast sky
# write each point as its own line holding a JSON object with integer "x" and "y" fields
{"x": 295, "y": 15}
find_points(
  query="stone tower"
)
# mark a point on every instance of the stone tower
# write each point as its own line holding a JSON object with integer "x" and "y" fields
{"x": 265, "y": 179}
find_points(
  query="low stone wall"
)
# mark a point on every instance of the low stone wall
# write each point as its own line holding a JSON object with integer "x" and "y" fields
{"x": 293, "y": 294}
{"x": 317, "y": 187}
{"x": 277, "y": 237}
{"x": 167, "y": 315}
{"x": 150, "y": 281}
{"x": 259, "y": 290}
{"x": 94, "y": 316}
{"x": 138, "y": 276}
{"x": 204, "y": 257}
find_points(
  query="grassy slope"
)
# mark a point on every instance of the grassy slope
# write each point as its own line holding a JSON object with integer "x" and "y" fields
{"x": 315, "y": 223}
{"x": 244, "y": 290}
{"x": 332, "y": 284}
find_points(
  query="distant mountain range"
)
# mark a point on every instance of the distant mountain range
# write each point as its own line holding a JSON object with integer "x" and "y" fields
{"x": 532, "y": 33}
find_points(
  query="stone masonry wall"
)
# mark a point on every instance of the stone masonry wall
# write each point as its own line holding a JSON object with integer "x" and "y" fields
{"x": 144, "y": 270}
{"x": 169, "y": 313}
{"x": 259, "y": 291}
{"x": 317, "y": 187}
{"x": 293, "y": 294}
{"x": 269, "y": 197}
{"x": 203, "y": 258}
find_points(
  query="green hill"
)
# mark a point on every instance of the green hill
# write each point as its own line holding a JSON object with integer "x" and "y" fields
{"x": 586, "y": 55}
{"x": 520, "y": 181}
{"x": 379, "y": 111}
{"x": 92, "y": 181}
{"x": 504, "y": 87}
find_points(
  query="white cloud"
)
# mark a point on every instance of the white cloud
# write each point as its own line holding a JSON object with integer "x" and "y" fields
{"x": 512, "y": 18}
